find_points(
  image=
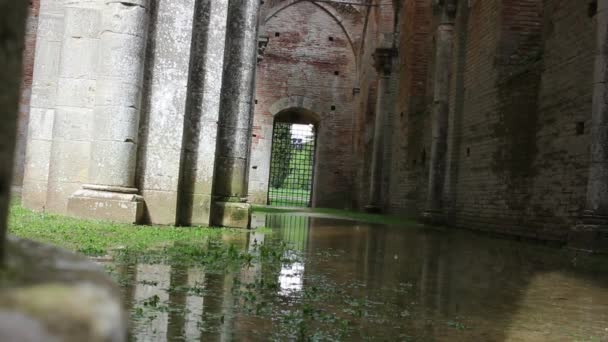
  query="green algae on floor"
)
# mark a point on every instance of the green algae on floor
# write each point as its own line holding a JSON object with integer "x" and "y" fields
{"x": 338, "y": 214}
{"x": 96, "y": 238}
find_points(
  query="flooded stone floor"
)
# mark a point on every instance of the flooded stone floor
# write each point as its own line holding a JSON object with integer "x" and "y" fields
{"x": 306, "y": 278}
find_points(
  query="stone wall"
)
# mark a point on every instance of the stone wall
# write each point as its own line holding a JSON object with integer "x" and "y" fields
{"x": 26, "y": 92}
{"x": 182, "y": 67}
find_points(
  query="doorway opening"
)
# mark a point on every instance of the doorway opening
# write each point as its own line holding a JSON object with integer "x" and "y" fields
{"x": 292, "y": 164}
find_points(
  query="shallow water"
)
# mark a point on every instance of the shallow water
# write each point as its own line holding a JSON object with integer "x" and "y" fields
{"x": 325, "y": 279}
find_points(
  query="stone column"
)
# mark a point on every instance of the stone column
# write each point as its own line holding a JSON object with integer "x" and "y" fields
{"x": 13, "y": 15}
{"x": 383, "y": 58}
{"x": 111, "y": 192}
{"x": 592, "y": 232}
{"x": 74, "y": 101}
{"x": 444, "y": 41}
{"x": 229, "y": 192}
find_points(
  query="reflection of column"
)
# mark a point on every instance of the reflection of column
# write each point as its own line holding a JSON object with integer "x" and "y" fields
{"x": 595, "y": 221}
{"x": 111, "y": 193}
{"x": 12, "y": 25}
{"x": 444, "y": 38}
{"x": 229, "y": 194}
{"x": 194, "y": 304}
{"x": 383, "y": 64}
{"x": 152, "y": 285}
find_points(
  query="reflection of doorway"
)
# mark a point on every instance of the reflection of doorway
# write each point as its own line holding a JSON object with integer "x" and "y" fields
{"x": 292, "y": 164}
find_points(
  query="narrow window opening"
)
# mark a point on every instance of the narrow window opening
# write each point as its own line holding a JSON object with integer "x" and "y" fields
{"x": 580, "y": 128}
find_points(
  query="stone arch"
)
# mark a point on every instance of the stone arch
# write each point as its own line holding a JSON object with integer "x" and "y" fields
{"x": 329, "y": 10}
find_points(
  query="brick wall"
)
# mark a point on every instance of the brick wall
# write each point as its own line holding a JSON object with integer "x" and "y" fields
{"x": 520, "y": 104}
{"x": 26, "y": 90}
{"x": 309, "y": 57}
{"x": 411, "y": 143}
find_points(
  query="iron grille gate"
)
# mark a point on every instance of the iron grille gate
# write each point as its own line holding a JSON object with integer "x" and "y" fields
{"x": 292, "y": 165}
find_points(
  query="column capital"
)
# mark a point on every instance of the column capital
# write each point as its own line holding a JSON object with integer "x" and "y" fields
{"x": 383, "y": 60}
{"x": 446, "y": 8}
{"x": 262, "y": 44}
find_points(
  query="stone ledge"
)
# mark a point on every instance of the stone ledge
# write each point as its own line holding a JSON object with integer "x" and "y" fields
{"x": 52, "y": 295}
{"x": 104, "y": 205}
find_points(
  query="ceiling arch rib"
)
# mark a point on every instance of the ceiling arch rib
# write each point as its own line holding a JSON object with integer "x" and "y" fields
{"x": 339, "y": 19}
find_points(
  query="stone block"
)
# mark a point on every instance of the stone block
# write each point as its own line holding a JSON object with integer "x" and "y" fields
{"x": 112, "y": 162}
{"x": 110, "y": 206}
{"x": 121, "y": 56}
{"x": 82, "y": 22}
{"x": 52, "y": 295}
{"x": 129, "y": 20}
{"x": 119, "y": 124}
{"x": 70, "y": 161}
{"x": 73, "y": 124}
{"x": 37, "y": 160}
{"x": 46, "y": 64}
{"x": 50, "y": 27}
{"x": 196, "y": 208}
{"x": 110, "y": 92}
{"x": 33, "y": 194}
{"x": 76, "y": 93}
{"x": 41, "y": 124}
{"x": 80, "y": 58}
{"x": 231, "y": 214}
{"x": 160, "y": 206}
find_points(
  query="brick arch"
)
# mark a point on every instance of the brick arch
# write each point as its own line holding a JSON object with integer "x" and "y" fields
{"x": 308, "y": 107}
{"x": 329, "y": 10}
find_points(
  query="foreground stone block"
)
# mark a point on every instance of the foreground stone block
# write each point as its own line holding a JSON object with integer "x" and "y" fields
{"x": 47, "y": 294}
{"x": 231, "y": 214}
{"x": 117, "y": 206}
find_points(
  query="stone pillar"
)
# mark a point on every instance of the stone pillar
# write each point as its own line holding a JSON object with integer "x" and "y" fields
{"x": 111, "y": 192}
{"x": 444, "y": 41}
{"x": 70, "y": 148}
{"x": 229, "y": 193}
{"x": 592, "y": 233}
{"x": 383, "y": 58}
{"x": 49, "y": 39}
{"x": 13, "y": 15}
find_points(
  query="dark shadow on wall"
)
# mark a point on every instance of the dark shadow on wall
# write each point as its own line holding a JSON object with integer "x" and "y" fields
{"x": 194, "y": 113}
{"x": 146, "y": 104}
{"x": 454, "y": 158}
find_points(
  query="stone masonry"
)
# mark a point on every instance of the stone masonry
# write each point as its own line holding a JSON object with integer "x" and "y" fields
{"x": 490, "y": 118}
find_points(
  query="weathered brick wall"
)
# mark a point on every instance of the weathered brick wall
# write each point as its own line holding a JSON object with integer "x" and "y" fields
{"x": 411, "y": 136}
{"x": 366, "y": 110}
{"x": 378, "y": 32}
{"x": 520, "y": 104}
{"x": 309, "y": 56}
{"x": 564, "y": 113}
{"x": 26, "y": 91}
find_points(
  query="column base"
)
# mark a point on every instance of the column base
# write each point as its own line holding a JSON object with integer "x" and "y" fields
{"x": 434, "y": 217}
{"x": 231, "y": 215}
{"x": 591, "y": 235}
{"x": 115, "y": 204}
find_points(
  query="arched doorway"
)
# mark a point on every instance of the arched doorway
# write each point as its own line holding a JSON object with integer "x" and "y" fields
{"x": 292, "y": 159}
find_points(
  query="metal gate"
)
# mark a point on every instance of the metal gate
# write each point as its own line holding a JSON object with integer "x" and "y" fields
{"x": 292, "y": 165}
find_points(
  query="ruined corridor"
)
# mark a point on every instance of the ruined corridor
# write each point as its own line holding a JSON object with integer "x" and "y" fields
{"x": 423, "y": 154}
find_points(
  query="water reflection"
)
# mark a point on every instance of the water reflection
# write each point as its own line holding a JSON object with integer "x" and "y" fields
{"x": 349, "y": 281}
